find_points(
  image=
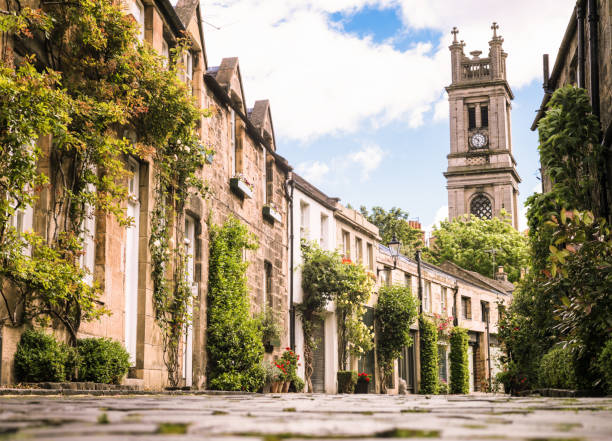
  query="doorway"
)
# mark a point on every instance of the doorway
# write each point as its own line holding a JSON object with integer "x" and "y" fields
{"x": 318, "y": 358}
{"x": 131, "y": 262}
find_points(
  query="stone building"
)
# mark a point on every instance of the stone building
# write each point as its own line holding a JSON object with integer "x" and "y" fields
{"x": 585, "y": 60}
{"x": 458, "y": 297}
{"x": 481, "y": 174}
{"x": 247, "y": 180}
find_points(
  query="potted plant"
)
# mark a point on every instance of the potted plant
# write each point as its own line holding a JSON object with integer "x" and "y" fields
{"x": 270, "y": 329}
{"x": 363, "y": 382}
{"x": 346, "y": 381}
{"x": 289, "y": 362}
{"x": 273, "y": 377}
{"x": 241, "y": 186}
{"x": 271, "y": 212}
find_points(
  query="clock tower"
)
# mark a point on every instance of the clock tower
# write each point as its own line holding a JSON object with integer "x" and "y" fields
{"x": 481, "y": 177}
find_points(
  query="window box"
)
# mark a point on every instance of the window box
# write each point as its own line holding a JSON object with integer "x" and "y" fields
{"x": 270, "y": 212}
{"x": 241, "y": 187}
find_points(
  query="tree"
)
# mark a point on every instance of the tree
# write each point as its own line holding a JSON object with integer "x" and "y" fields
{"x": 480, "y": 245}
{"x": 395, "y": 312}
{"x": 395, "y": 223}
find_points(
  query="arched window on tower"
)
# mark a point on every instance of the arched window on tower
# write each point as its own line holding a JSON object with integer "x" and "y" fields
{"x": 481, "y": 207}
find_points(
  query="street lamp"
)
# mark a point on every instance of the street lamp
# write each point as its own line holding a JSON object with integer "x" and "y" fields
{"x": 394, "y": 248}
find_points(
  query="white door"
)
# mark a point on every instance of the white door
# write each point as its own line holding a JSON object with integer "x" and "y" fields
{"x": 471, "y": 366}
{"x": 190, "y": 270}
{"x": 131, "y": 264}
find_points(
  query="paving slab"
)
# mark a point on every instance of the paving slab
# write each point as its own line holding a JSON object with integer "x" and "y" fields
{"x": 279, "y": 417}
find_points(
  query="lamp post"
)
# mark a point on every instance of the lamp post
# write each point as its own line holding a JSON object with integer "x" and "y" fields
{"x": 394, "y": 248}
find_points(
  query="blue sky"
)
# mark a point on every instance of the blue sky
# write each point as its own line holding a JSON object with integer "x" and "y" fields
{"x": 357, "y": 86}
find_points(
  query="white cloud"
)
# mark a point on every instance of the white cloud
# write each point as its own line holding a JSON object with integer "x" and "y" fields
{"x": 313, "y": 171}
{"x": 323, "y": 81}
{"x": 368, "y": 158}
{"x": 441, "y": 215}
{"x": 441, "y": 112}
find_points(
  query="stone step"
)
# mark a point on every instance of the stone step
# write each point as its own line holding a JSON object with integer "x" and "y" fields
{"x": 133, "y": 383}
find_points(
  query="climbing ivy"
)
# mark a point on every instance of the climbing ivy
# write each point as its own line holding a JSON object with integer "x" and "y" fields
{"x": 429, "y": 356}
{"x": 459, "y": 367}
{"x": 234, "y": 345}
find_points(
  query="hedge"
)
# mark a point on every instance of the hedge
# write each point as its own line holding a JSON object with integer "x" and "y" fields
{"x": 604, "y": 364}
{"x": 40, "y": 357}
{"x": 557, "y": 369}
{"x": 459, "y": 364}
{"x": 347, "y": 380}
{"x": 102, "y": 360}
{"x": 429, "y": 356}
{"x": 234, "y": 339}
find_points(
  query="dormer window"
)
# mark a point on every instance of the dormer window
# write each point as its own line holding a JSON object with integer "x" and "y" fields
{"x": 136, "y": 9}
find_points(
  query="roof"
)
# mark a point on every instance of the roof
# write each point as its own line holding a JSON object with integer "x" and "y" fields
{"x": 169, "y": 12}
{"x": 479, "y": 279}
{"x": 312, "y": 191}
{"x": 185, "y": 9}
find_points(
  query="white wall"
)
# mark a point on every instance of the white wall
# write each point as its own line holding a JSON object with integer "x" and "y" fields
{"x": 315, "y": 210}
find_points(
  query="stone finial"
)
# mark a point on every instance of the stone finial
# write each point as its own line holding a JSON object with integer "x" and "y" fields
{"x": 455, "y": 31}
{"x": 475, "y": 54}
{"x": 495, "y": 27}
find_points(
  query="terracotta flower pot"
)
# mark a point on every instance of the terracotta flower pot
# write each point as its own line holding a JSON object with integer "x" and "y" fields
{"x": 286, "y": 386}
{"x": 274, "y": 387}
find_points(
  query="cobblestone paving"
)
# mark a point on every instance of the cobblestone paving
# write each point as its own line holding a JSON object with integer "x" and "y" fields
{"x": 304, "y": 416}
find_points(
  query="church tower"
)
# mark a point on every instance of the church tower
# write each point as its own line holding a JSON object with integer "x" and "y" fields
{"x": 481, "y": 177}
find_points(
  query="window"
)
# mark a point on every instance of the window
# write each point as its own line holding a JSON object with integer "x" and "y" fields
{"x": 471, "y": 118}
{"x": 22, "y": 220}
{"x": 269, "y": 184}
{"x": 234, "y": 150}
{"x": 165, "y": 52}
{"x": 481, "y": 207}
{"x": 443, "y": 299}
{"x": 268, "y": 298}
{"x": 484, "y": 310}
{"x": 132, "y": 261}
{"x": 370, "y": 257}
{"x": 484, "y": 116}
{"x": 136, "y": 9}
{"x": 87, "y": 259}
{"x": 346, "y": 244}
{"x": 408, "y": 281}
{"x": 324, "y": 231}
{"x": 385, "y": 277}
{"x": 466, "y": 308}
{"x": 427, "y": 297}
{"x": 304, "y": 220}
{"x": 358, "y": 250}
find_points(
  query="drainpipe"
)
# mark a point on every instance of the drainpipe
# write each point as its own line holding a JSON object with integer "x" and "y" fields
{"x": 455, "y": 309}
{"x": 488, "y": 346}
{"x": 420, "y": 290}
{"x": 581, "y": 55}
{"x": 289, "y": 187}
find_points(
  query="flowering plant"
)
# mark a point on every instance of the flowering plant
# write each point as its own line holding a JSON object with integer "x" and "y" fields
{"x": 243, "y": 178}
{"x": 443, "y": 324}
{"x": 272, "y": 205}
{"x": 364, "y": 377}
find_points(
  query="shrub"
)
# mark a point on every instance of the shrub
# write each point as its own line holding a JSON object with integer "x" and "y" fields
{"x": 604, "y": 365}
{"x": 102, "y": 360}
{"x": 395, "y": 312}
{"x": 298, "y": 383}
{"x": 40, "y": 357}
{"x": 234, "y": 341}
{"x": 347, "y": 380}
{"x": 459, "y": 367}
{"x": 442, "y": 387}
{"x": 429, "y": 356}
{"x": 557, "y": 369}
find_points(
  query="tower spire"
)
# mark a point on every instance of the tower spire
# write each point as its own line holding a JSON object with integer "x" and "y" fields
{"x": 455, "y": 31}
{"x": 495, "y": 27}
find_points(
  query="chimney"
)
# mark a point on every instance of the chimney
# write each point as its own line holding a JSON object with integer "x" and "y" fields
{"x": 501, "y": 275}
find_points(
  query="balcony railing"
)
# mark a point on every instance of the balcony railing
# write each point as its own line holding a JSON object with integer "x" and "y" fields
{"x": 476, "y": 71}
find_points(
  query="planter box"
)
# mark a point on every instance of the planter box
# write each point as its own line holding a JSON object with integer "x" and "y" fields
{"x": 361, "y": 387}
{"x": 241, "y": 188}
{"x": 271, "y": 214}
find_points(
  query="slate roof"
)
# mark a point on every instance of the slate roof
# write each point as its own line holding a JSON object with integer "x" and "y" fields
{"x": 185, "y": 9}
{"x": 499, "y": 285}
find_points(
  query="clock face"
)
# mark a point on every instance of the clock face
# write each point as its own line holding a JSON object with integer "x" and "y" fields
{"x": 479, "y": 140}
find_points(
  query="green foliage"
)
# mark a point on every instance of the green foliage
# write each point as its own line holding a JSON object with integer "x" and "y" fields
{"x": 347, "y": 380}
{"x": 234, "y": 342}
{"x": 269, "y": 326}
{"x": 102, "y": 360}
{"x": 326, "y": 277}
{"x": 459, "y": 367}
{"x": 395, "y": 312}
{"x": 557, "y": 369}
{"x": 298, "y": 383}
{"x": 429, "y": 356}
{"x": 467, "y": 242}
{"x": 40, "y": 357}
{"x": 395, "y": 222}
{"x": 443, "y": 388}
{"x": 604, "y": 364}
{"x": 111, "y": 84}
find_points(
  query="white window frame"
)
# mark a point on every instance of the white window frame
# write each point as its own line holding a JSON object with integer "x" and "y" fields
{"x": 443, "y": 299}
{"x": 427, "y": 296}
{"x": 189, "y": 238}
{"x": 165, "y": 52}
{"x": 233, "y": 139}
{"x": 132, "y": 261}
{"x": 136, "y": 9}
{"x": 323, "y": 239}
{"x": 87, "y": 260}
{"x": 304, "y": 220}
{"x": 188, "y": 65}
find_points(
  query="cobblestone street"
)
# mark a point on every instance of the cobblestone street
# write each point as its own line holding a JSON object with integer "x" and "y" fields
{"x": 304, "y": 416}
